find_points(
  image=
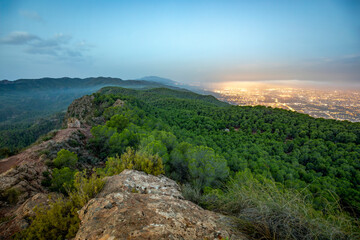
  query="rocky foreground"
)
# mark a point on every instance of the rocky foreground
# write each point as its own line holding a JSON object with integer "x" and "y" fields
{"x": 134, "y": 205}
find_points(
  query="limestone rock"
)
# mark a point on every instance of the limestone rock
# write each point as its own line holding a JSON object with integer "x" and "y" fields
{"x": 73, "y": 123}
{"x": 134, "y": 205}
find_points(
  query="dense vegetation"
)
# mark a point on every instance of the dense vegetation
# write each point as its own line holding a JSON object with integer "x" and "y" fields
{"x": 294, "y": 149}
{"x": 283, "y": 175}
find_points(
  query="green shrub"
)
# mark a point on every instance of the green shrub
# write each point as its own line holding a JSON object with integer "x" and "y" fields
{"x": 46, "y": 182}
{"x": 267, "y": 210}
{"x": 59, "y": 221}
{"x": 99, "y": 144}
{"x": 198, "y": 165}
{"x": 73, "y": 143}
{"x": 45, "y": 151}
{"x": 151, "y": 164}
{"x": 62, "y": 179}
{"x": 85, "y": 188}
{"x": 5, "y": 152}
{"x": 65, "y": 158}
{"x": 119, "y": 122}
{"x": 152, "y": 146}
{"x": 11, "y": 195}
{"x": 206, "y": 168}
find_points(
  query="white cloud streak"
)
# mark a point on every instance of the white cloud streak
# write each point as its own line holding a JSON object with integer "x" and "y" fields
{"x": 59, "y": 45}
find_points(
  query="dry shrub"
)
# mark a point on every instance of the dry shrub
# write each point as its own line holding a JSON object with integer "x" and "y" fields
{"x": 267, "y": 210}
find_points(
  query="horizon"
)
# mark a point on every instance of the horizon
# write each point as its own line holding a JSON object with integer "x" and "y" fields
{"x": 215, "y": 86}
{"x": 194, "y": 43}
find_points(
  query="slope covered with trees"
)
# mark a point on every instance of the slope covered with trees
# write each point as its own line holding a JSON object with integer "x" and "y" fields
{"x": 301, "y": 152}
{"x": 282, "y": 175}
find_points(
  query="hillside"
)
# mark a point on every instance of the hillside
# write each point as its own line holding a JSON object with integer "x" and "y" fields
{"x": 30, "y": 108}
{"x": 277, "y": 174}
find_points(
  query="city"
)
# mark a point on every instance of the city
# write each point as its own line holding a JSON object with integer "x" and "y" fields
{"x": 330, "y": 104}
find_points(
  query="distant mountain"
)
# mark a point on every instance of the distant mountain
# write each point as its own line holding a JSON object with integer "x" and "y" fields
{"x": 173, "y": 83}
{"x": 161, "y": 80}
{"x": 73, "y": 83}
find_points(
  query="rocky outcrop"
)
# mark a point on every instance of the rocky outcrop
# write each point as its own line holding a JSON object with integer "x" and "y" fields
{"x": 21, "y": 176}
{"x": 24, "y": 181}
{"x": 119, "y": 103}
{"x": 80, "y": 108}
{"x": 84, "y": 110}
{"x": 134, "y": 205}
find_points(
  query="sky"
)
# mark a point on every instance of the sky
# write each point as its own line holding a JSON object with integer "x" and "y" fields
{"x": 196, "y": 42}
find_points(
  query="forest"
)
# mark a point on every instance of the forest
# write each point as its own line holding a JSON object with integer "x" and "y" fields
{"x": 294, "y": 149}
{"x": 280, "y": 173}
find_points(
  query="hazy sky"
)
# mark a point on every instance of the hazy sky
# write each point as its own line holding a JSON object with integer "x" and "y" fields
{"x": 187, "y": 41}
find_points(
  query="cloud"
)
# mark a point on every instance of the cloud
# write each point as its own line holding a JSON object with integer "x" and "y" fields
{"x": 56, "y": 41}
{"x": 32, "y": 15}
{"x": 59, "y": 46}
{"x": 19, "y": 38}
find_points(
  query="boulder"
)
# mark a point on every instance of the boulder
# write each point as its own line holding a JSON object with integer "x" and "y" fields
{"x": 119, "y": 103}
{"x": 134, "y": 205}
{"x": 73, "y": 123}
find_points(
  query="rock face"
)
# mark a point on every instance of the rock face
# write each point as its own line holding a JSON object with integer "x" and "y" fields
{"x": 20, "y": 184}
{"x": 24, "y": 179}
{"x": 84, "y": 110}
{"x": 134, "y": 205}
